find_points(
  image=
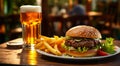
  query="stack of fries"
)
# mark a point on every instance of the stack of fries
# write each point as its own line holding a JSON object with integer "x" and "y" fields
{"x": 51, "y": 44}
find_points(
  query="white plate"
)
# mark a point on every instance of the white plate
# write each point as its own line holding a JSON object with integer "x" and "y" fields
{"x": 78, "y": 58}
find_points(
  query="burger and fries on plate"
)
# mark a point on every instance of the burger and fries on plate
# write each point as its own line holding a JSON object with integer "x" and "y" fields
{"x": 79, "y": 41}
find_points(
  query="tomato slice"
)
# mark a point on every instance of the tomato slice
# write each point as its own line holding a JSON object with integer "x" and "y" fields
{"x": 102, "y": 53}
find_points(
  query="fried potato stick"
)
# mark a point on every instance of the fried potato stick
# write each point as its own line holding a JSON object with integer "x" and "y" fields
{"x": 56, "y": 48}
{"x": 52, "y": 50}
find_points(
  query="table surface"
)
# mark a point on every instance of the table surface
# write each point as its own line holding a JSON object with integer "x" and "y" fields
{"x": 21, "y": 56}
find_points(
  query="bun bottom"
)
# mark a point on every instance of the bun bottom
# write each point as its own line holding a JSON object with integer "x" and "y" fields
{"x": 91, "y": 52}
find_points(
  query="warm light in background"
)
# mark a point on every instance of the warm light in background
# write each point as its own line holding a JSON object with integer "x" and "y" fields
{"x": 38, "y": 2}
{"x": 94, "y": 13}
{"x": 70, "y": 4}
{"x": 89, "y": 0}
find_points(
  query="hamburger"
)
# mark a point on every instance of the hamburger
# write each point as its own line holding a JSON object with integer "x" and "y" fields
{"x": 82, "y": 41}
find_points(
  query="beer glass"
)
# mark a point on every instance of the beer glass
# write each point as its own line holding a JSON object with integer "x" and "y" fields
{"x": 30, "y": 17}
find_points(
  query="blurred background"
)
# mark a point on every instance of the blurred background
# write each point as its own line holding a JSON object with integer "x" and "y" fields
{"x": 60, "y": 15}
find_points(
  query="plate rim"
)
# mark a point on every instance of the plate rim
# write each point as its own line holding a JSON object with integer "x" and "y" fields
{"x": 77, "y": 58}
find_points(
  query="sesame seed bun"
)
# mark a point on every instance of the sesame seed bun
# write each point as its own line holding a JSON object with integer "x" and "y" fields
{"x": 84, "y": 31}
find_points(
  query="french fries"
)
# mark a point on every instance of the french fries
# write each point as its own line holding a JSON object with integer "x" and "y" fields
{"x": 50, "y": 44}
{"x": 57, "y": 50}
{"x": 52, "y": 50}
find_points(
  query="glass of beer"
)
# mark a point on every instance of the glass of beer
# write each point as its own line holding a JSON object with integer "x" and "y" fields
{"x": 30, "y": 17}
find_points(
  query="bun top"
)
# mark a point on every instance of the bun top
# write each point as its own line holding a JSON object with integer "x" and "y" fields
{"x": 84, "y": 31}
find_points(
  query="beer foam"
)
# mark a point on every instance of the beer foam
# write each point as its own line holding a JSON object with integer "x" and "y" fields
{"x": 30, "y": 8}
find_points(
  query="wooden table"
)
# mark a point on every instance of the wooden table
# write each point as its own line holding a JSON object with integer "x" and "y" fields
{"x": 10, "y": 56}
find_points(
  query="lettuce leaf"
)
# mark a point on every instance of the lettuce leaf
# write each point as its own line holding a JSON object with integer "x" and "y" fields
{"x": 82, "y": 49}
{"x": 108, "y": 46}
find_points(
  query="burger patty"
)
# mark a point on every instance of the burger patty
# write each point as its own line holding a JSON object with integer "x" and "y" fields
{"x": 89, "y": 43}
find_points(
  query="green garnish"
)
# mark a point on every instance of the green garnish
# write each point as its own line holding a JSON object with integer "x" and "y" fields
{"x": 82, "y": 49}
{"x": 108, "y": 46}
{"x": 66, "y": 47}
{"x": 68, "y": 37}
{"x": 79, "y": 49}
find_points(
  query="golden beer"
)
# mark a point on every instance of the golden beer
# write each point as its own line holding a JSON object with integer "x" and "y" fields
{"x": 30, "y": 17}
